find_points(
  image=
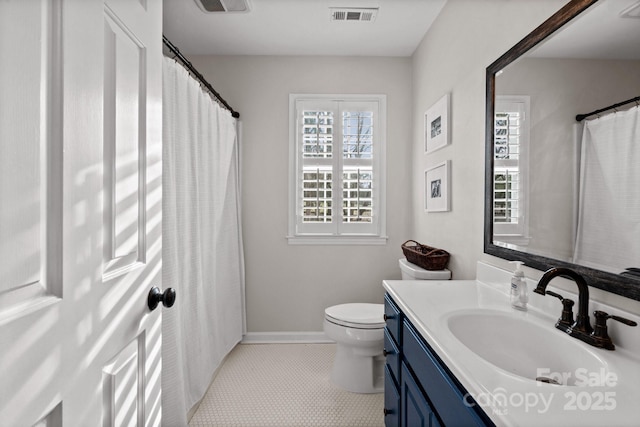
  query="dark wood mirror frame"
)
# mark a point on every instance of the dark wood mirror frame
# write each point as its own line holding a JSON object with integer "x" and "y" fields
{"x": 617, "y": 284}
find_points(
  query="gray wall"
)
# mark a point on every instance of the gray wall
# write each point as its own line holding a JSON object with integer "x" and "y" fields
{"x": 559, "y": 89}
{"x": 289, "y": 286}
{"x": 466, "y": 38}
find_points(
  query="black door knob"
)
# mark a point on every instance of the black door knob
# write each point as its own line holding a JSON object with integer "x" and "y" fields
{"x": 168, "y": 297}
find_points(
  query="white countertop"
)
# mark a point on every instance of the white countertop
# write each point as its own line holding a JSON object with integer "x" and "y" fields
{"x": 509, "y": 399}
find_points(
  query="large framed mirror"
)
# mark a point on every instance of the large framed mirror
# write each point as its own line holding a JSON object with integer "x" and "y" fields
{"x": 546, "y": 204}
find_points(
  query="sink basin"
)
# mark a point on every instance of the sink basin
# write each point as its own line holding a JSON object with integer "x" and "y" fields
{"x": 527, "y": 349}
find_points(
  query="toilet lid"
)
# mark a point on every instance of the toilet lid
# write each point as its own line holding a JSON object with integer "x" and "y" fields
{"x": 418, "y": 273}
{"x": 357, "y": 315}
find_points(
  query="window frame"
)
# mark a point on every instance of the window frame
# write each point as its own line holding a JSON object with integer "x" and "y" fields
{"x": 516, "y": 233}
{"x": 337, "y": 232}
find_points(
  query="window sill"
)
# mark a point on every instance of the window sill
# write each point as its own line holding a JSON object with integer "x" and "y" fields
{"x": 337, "y": 240}
{"x": 511, "y": 239}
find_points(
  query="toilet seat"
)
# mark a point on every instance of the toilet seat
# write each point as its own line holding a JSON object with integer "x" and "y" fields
{"x": 356, "y": 315}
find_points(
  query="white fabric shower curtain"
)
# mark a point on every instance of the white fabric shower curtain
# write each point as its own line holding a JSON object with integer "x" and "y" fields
{"x": 202, "y": 244}
{"x": 608, "y": 234}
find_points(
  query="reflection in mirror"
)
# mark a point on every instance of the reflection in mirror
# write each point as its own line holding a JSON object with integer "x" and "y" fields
{"x": 559, "y": 191}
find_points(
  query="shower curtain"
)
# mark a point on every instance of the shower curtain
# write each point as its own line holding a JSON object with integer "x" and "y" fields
{"x": 608, "y": 234}
{"x": 202, "y": 245}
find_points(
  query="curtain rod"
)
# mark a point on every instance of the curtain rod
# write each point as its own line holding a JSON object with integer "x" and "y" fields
{"x": 581, "y": 117}
{"x": 199, "y": 76}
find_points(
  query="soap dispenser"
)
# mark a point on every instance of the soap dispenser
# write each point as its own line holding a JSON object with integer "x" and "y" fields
{"x": 519, "y": 297}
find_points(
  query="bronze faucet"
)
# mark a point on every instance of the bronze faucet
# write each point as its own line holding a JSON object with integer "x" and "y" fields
{"x": 581, "y": 328}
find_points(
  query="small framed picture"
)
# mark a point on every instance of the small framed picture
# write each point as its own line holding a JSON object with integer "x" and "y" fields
{"x": 436, "y": 125}
{"x": 437, "y": 187}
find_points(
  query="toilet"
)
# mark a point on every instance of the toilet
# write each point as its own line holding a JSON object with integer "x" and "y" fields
{"x": 358, "y": 330}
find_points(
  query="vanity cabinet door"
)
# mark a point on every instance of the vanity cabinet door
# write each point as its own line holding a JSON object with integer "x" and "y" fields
{"x": 447, "y": 396}
{"x": 416, "y": 411}
{"x": 391, "y": 400}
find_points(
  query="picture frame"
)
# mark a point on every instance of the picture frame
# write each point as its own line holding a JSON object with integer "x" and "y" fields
{"x": 437, "y": 187}
{"x": 436, "y": 125}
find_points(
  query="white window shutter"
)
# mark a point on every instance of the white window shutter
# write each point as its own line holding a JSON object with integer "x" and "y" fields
{"x": 337, "y": 153}
{"x": 510, "y": 166}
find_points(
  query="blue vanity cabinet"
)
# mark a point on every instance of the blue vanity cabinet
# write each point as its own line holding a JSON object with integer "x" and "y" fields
{"x": 392, "y": 354}
{"x": 392, "y": 334}
{"x": 429, "y": 394}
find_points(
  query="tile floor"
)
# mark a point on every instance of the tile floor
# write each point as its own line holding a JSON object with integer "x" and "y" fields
{"x": 283, "y": 385}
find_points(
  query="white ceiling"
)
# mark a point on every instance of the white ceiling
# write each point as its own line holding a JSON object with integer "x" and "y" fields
{"x": 300, "y": 27}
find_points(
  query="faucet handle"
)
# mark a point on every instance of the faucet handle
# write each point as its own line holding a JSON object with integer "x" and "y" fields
{"x": 601, "y": 318}
{"x": 553, "y": 294}
{"x": 600, "y": 335}
{"x": 566, "y": 319}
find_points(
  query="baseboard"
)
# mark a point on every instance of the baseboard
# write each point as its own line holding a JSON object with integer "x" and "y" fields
{"x": 285, "y": 338}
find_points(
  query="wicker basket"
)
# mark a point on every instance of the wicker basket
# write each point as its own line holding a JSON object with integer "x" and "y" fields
{"x": 425, "y": 256}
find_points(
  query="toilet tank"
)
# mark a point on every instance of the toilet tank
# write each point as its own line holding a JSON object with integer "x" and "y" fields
{"x": 413, "y": 272}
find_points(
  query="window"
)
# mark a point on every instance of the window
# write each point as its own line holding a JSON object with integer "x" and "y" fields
{"x": 337, "y": 149}
{"x": 511, "y": 135}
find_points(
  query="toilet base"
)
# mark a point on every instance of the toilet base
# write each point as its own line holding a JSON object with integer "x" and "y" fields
{"x": 358, "y": 365}
{"x": 358, "y": 373}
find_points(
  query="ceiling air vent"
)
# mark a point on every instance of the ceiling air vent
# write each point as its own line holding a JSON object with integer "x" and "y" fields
{"x": 223, "y": 5}
{"x": 353, "y": 14}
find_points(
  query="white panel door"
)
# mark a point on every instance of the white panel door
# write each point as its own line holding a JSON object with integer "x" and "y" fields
{"x": 80, "y": 212}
